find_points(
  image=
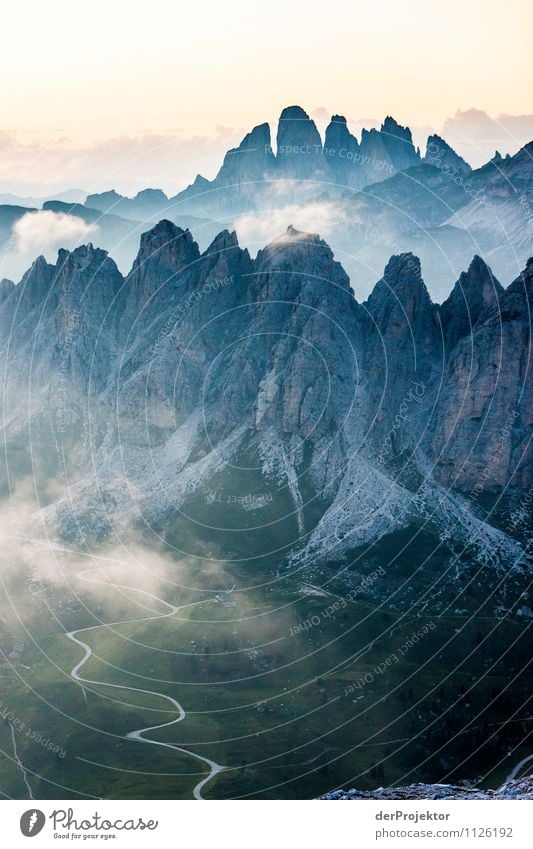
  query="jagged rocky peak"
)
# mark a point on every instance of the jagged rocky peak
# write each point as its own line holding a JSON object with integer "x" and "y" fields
{"x": 251, "y": 160}
{"x": 489, "y": 382}
{"x": 38, "y": 266}
{"x": 404, "y": 337}
{"x": 296, "y": 241}
{"x": 85, "y": 272}
{"x": 71, "y": 300}
{"x": 298, "y": 254}
{"x": 81, "y": 259}
{"x": 488, "y": 391}
{"x": 475, "y": 293}
{"x": 398, "y": 142}
{"x": 222, "y": 242}
{"x": 391, "y": 127}
{"x": 338, "y": 135}
{"x": 28, "y": 294}
{"x": 387, "y": 150}
{"x": 38, "y": 275}
{"x": 478, "y": 266}
{"x": 299, "y": 146}
{"x": 294, "y": 123}
{"x": 224, "y": 258}
{"x": 441, "y": 155}
{"x": 303, "y": 315}
{"x": 167, "y": 257}
{"x": 371, "y": 140}
{"x": 401, "y": 287}
{"x": 255, "y": 146}
{"x": 376, "y": 163}
{"x": 291, "y": 234}
{"x": 167, "y": 245}
{"x": 518, "y": 167}
{"x": 340, "y": 149}
{"x": 291, "y": 241}
{"x": 199, "y": 184}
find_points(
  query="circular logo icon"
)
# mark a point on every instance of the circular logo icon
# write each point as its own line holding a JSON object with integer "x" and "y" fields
{"x": 32, "y": 822}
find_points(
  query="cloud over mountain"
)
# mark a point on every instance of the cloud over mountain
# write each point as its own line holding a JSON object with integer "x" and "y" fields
{"x": 44, "y": 232}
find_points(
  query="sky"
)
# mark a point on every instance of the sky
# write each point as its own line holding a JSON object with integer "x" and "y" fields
{"x": 168, "y": 86}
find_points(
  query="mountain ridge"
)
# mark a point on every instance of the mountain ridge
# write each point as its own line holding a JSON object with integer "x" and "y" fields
{"x": 360, "y": 415}
{"x": 371, "y": 197}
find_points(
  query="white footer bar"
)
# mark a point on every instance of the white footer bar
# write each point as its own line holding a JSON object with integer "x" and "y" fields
{"x": 268, "y": 824}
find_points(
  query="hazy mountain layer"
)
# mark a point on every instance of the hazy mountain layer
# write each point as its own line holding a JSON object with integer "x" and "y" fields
{"x": 369, "y": 197}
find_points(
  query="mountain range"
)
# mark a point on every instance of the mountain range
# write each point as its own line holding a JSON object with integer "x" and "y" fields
{"x": 261, "y": 402}
{"x": 369, "y": 197}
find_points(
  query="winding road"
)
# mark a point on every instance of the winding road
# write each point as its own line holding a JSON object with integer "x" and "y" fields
{"x": 138, "y": 735}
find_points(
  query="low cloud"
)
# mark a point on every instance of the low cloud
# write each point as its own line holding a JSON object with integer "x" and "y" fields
{"x": 126, "y": 577}
{"x": 43, "y": 232}
{"x": 256, "y": 229}
{"x": 36, "y": 561}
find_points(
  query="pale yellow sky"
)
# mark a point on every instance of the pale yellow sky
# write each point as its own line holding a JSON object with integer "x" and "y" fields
{"x": 109, "y": 68}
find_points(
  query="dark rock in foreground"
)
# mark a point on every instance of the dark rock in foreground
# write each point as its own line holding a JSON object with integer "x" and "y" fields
{"x": 521, "y": 788}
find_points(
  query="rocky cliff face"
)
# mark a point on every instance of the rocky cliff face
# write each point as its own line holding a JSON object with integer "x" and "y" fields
{"x": 253, "y": 158}
{"x": 57, "y": 320}
{"x": 341, "y": 150}
{"x": 403, "y": 357}
{"x": 398, "y": 143}
{"x": 484, "y": 414}
{"x": 201, "y": 368}
{"x": 166, "y": 261}
{"x": 298, "y": 145}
